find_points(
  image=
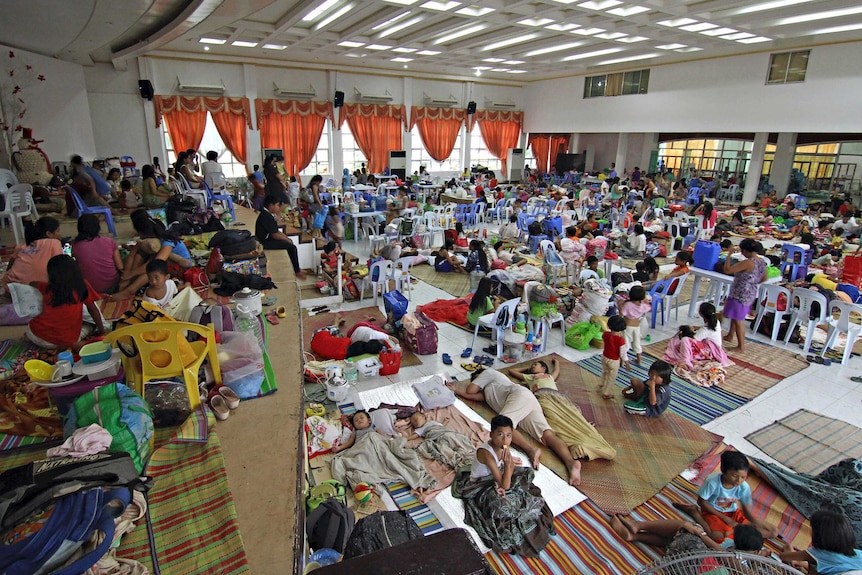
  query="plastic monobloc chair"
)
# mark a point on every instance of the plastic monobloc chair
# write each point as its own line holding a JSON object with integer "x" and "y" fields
{"x": 658, "y": 293}
{"x": 85, "y": 209}
{"x": 801, "y": 305}
{"x": 767, "y": 302}
{"x": 843, "y": 324}
{"x": 493, "y": 320}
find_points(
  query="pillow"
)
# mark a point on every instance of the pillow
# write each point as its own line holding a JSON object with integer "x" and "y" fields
{"x": 433, "y": 393}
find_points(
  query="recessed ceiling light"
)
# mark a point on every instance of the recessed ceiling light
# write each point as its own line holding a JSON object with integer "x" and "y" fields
{"x": 633, "y": 39}
{"x": 400, "y": 59}
{"x": 628, "y": 11}
{"x": 838, "y": 29}
{"x": 378, "y": 47}
{"x": 671, "y": 46}
{"x": 405, "y": 66}
{"x": 558, "y": 48}
{"x": 562, "y": 27}
{"x": 611, "y": 35}
{"x": 474, "y": 10}
{"x": 628, "y": 59}
{"x": 599, "y": 4}
{"x": 673, "y": 23}
{"x": 401, "y": 26}
{"x": 333, "y": 17}
{"x": 351, "y": 44}
{"x": 517, "y": 71}
{"x": 441, "y": 6}
{"x": 481, "y": 67}
{"x": 593, "y": 54}
{"x": 755, "y": 40}
{"x": 392, "y": 20}
{"x": 513, "y": 62}
{"x": 493, "y": 60}
{"x": 819, "y": 16}
{"x": 402, "y": 2}
{"x": 212, "y": 41}
{"x": 243, "y": 44}
{"x": 499, "y": 69}
{"x": 588, "y": 31}
{"x": 689, "y": 49}
{"x": 404, "y": 50}
{"x": 565, "y": 1}
{"x": 478, "y": 72}
{"x": 509, "y": 42}
{"x": 699, "y": 27}
{"x": 459, "y": 33}
{"x": 206, "y": 48}
{"x": 274, "y": 47}
{"x": 718, "y": 32}
{"x": 315, "y": 14}
{"x": 737, "y": 36}
{"x": 354, "y": 55}
{"x": 535, "y": 21}
{"x": 428, "y": 52}
{"x": 768, "y": 6}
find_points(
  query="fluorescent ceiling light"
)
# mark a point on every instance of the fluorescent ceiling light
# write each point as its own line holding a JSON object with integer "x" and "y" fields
{"x": 392, "y": 20}
{"x": 513, "y": 62}
{"x": 699, "y": 27}
{"x": 499, "y": 69}
{"x": 633, "y": 39}
{"x": 351, "y": 44}
{"x": 378, "y": 47}
{"x": 837, "y": 29}
{"x": 243, "y": 44}
{"x": 677, "y": 22}
{"x": 352, "y": 55}
{"x": 628, "y": 11}
{"x": 588, "y": 31}
{"x": 459, "y": 33}
{"x": 274, "y": 47}
{"x": 404, "y": 50}
{"x": 562, "y": 27}
{"x": 593, "y": 54}
{"x": 612, "y": 35}
{"x": 565, "y": 1}
{"x": 399, "y": 27}
{"x": 481, "y": 68}
{"x": 629, "y": 59}
{"x": 441, "y": 6}
{"x": 510, "y": 41}
{"x": 493, "y": 60}
{"x": 671, "y": 46}
{"x": 315, "y": 14}
{"x": 737, "y": 36}
{"x": 689, "y": 49}
{"x": 599, "y": 4}
{"x": 819, "y": 16}
{"x": 535, "y": 21}
{"x": 428, "y": 52}
{"x": 718, "y": 32}
{"x": 474, "y": 10}
{"x": 212, "y": 41}
{"x": 333, "y": 17}
{"x": 517, "y": 71}
{"x": 768, "y": 6}
{"x": 400, "y": 59}
{"x": 558, "y": 48}
{"x": 402, "y": 2}
{"x": 755, "y": 40}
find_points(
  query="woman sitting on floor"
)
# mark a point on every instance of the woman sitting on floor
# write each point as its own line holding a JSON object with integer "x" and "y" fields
{"x": 697, "y": 356}
{"x": 98, "y": 255}
{"x": 446, "y": 260}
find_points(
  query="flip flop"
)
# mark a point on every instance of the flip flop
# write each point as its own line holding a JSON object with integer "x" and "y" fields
{"x": 467, "y": 352}
{"x": 483, "y": 360}
{"x": 470, "y": 366}
{"x": 268, "y": 301}
{"x": 856, "y": 378}
{"x": 281, "y": 312}
{"x": 818, "y": 359}
{"x": 272, "y": 318}
{"x": 446, "y": 359}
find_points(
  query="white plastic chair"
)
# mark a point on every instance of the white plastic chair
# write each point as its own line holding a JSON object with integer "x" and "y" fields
{"x": 199, "y": 195}
{"x": 382, "y": 270}
{"x": 492, "y": 320}
{"x": 401, "y": 274}
{"x": 6, "y": 214}
{"x": 432, "y": 228}
{"x": 374, "y": 239}
{"x": 767, "y": 302}
{"x": 547, "y": 322}
{"x": 669, "y": 298}
{"x": 843, "y": 324}
{"x": 801, "y": 312}
{"x": 7, "y": 179}
{"x": 552, "y": 262}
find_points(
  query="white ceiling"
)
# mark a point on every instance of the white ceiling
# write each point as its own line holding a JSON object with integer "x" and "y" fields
{"x": 518, "y": 40}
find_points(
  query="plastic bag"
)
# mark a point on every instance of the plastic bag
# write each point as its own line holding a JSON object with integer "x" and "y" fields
{"x": 772, "y": 272}
{"x": 26, "y": 299}
{"x": 580, "y": 335}
{"x": 180, "y": 308}
{"x": 241, "y": 361}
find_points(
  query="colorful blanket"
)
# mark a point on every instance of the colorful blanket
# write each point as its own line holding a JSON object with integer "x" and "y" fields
{"x": 25, "y": 408}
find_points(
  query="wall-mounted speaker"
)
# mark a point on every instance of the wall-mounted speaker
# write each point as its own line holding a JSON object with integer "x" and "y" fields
{"x": 471, "y": 108}
{"x": 339, "y": 99}
{"x": 145, "y": 87}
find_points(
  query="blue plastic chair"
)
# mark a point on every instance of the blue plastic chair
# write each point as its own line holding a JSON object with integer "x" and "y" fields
{"x": 535, "y": 241}
{"x": 797, "y": 259}
{"x": 554, "y": 225}
{"x": 83, "y": 208}
{"x": 226, "y": 198}
{"x": 496, "y": 213}
{"x": 693, "y": 196}
{"x": 658, "y": 293}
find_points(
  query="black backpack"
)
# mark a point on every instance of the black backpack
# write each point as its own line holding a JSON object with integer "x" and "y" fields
{"x": 329, "y": 526}
{"x": 179, "y": 209}
{"x": 381, "y": 530}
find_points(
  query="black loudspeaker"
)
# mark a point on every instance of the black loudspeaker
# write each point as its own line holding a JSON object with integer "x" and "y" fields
{"x": 145, "y": 87}
{"x": 339, "y": 99}
{"x": 471, "y": 107}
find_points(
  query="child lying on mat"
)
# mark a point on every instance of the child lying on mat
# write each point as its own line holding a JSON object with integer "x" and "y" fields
{"x": 440, "y": 443}
{"x": 651, "y": 397}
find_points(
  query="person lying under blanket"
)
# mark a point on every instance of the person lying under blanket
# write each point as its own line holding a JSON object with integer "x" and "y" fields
{"x": 328, "y": 343}
{"x": 440, "y": 443}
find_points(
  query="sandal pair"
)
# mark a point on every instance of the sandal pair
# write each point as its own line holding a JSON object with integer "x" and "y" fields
{"x": 470, "y": 366}
{"x": 818, "y": 359}
{"x": 447, "y": 359}
{"x": 483, "y": 360}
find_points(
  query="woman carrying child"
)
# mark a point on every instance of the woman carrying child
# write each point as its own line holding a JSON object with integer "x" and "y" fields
{"x": 154, "y": 195}
{"x": 634, "y": 248}
{"x": 29, "y": 262}
{"x": 633, "y": 311}
{"x": 747, "y": 275}
{"x": 500, "y": 501}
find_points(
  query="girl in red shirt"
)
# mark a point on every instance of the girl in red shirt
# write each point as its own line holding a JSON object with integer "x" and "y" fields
{"x": 614, "y": 353}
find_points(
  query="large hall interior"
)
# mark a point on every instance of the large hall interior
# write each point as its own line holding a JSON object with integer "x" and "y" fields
{"x": 630, "y": 227}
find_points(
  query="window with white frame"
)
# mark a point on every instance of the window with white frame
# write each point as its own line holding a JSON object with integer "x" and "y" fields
{"x": 479, "y": 152}
{"x": 319, "y": 163}
{"x": 351, "y": 155}
{"x": 231, "y": 167}
{"x": 419, "y": 156}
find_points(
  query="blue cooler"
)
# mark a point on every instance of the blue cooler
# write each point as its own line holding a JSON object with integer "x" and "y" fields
{"x": 706, "y": 254}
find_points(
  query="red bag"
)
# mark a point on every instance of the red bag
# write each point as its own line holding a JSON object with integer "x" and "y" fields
{"x": 196, "y": 277}
{"x": 852, "y": 270}
{"x": 214, "y": 264}
{"x": 391, "y": 361}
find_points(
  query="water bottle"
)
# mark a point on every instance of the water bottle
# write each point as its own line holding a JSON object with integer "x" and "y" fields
{"x": 251, "y": 324}
{"x": 529, "y": 343}
{"x": 648, "y": 338}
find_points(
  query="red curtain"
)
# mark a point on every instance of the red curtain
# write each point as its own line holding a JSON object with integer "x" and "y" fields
{"x": 438, "y": 129}
{"x": 293, "y": 126}
{"x": 186, "y": 118}
{"x": 377, "y": 130}
{"x": 500, "y": 131}
{"x": 546, "y": 147}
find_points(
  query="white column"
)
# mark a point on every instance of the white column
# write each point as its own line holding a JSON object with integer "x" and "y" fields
{"x": 336, "y": 150}
{"x": 622, "y": 150}
{"x": 406, "y": 136}
{"x": 650, "y": 144}
{"x": 154, "y": 135}
{"x": 574, "y": 144}
{"x": 254, "y": 153}
{"x": 785, "y": 150}
{"x": 755, "y": 167}
{"x": 467, "y": 93}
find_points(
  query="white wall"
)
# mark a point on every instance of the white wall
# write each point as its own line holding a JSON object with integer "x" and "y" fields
{"x": 57, "y": 108}
{"x": 117, "y": 111}
{"x": 723, "y": 94}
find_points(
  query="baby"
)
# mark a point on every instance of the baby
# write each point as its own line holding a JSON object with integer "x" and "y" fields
{"x": 361, "y": 427}
{"x": 442, "y": 444}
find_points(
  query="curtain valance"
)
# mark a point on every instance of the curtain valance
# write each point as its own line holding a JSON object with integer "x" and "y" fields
{"x": 190, "y": 104}
{"x": 497, "y": 116}
{"x": 372, "y": 111}
{"x": 425, "y": 113}
{"x": 285, "y": 107}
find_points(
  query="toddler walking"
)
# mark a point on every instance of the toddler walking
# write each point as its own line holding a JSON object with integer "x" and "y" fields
{"x": 613, "y": 354}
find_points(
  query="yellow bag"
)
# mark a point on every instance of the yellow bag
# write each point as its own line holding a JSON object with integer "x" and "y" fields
{"x": 145, "y": 312}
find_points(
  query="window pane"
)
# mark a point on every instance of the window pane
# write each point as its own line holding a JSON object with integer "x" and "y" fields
{"x": 631, "y": 82}
{"x": 479, "y": 153}
{"x": 420, "y": 157}
{"x": 798, "y": 66}
{"x": 643, "y": 87}
{"x": 778, "y": 67}
{"x": 212, "y": 142}
{"x": 352, "y": 156}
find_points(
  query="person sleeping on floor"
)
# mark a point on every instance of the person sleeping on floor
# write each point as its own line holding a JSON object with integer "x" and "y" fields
{"x": 440, "y": 443}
